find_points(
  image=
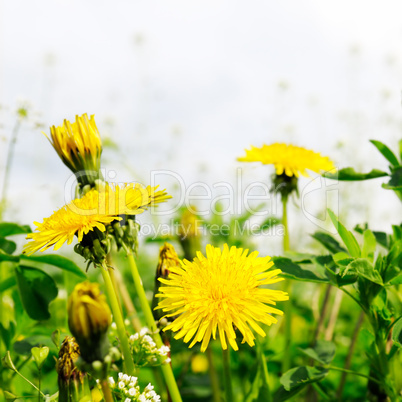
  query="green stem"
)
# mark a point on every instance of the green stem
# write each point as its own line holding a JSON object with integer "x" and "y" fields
{"x": 216, "y": 394}
{"x": 121, "y": 329}
{"x": 107, "y": 394}
{"x": 286, "y": 243}
{"x": 354, "y": 373}
{"x": 30, "y": 383}
{"x": 227, "y": 375}
{"x": 149, "y": 319}
{"x": 264, "y": 367}
{"x": 39, "y": 391}
{"x": 287, "y": 358}
{"x": 348, "y": 360}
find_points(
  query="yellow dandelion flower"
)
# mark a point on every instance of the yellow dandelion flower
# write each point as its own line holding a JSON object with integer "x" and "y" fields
{"x": 95, "y": 209}
{"x": 219, "y": 292}
{"x": 78, "y": 144}
{"x": 288, "y": 159}
{"x": 79, "y": 217}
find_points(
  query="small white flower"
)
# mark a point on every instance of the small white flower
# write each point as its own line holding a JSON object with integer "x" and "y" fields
{"x": 133, "y": 381}
{"x": 113, "y": 325}
{"x": 127, "y": 322}
{"x": 132, "y": 392}
{"x": 134, "y": 337}
{"x": 147, "y": 339}
{"x": 164, "y": 350}
{"x": 144, "y": 331}
{"x": 149, "y": 387}
{"x": 126, "y": 378}
{"x": 111, "y": 381}
{"x": 142, "y": 398}
{"x": 120, "y": 376}
{"x": 127, "y": 400}
{"x": 122, "y": 385}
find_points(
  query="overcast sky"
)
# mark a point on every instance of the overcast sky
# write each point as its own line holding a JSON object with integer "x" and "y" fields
{"x": 187, "y": 85}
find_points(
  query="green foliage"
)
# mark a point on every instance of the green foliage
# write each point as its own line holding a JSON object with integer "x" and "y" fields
{"x": 349, "y": 174}
{"x": 37, "y": 289}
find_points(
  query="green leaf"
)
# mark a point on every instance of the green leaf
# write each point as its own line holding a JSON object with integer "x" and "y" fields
{"x": 8, "y": 283}
{"x": 10, "y": 229}
{"x": 8, "y": 257}
{"x": 56, "y": 338}
{"x": 342, "y": 259}
{"x": 347, "y": 236}
{"x": 282, "y": 395}
{"x": 397, "y": 332}
{"x": 57, "y": 261}
{"x": 37, "y": 289}
{"x": 387, "y": 153}
{"x": 323, "y": 352}
{"x": 365, "y": 269}
{"x": 294, "y": 271}
{"x": 349, "y": 174}
{"x": 40, "y": 355}
{"x": 7, "y": 334}
{"x": 302, "y": 375}
{"x": 396, "y": 180}
{"x": 7, "y": 246}
{"x": 328, "y": 242}
{"x": 369, "y": 244}
{"x": 339, "y": 280}
{"x": 24, "y": 346}
{"x": 393, "y": 275}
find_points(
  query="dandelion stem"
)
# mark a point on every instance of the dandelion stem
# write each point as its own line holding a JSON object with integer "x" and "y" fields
{"x": 216, "y": 397}
{"x": 227, "y": 375}
{"x": 149, "y": 318}
{"x": 264, "y": 368}
{"x": 121, "y": 329}
{"x": 107, "y": 394}
{"x": 286, "y": 363}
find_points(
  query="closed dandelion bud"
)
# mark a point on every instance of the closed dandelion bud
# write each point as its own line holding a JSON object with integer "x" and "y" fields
{"x": 189, "y": 233}
{"x": 79, "y": 146}
{"x": 70, "y": 378}
{"x": 89, "y": 318}
{"x": 168, "y": 259}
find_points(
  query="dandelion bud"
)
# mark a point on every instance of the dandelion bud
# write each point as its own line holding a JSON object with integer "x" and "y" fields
{"x": 168, "y": 259}
{"x": 89, "y": 318}
{"x": 189, "y": 233}
{"x": 79, "y": 146}
{"x": 70, "y": 378}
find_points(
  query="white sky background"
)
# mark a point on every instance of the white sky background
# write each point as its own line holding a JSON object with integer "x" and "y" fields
{"x": 187, "y": 85}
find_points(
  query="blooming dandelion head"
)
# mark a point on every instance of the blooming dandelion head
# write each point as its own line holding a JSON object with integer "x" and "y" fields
{"x": 92, "y": 213}
{"x": 288, "y": 159}
{"x": 216, "y": 293}
{"x": 78, "y": 144}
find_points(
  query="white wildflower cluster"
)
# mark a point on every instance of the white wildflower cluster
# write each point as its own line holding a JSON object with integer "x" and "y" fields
{"x": 144, "y": 350}
{"x": 127, "y": 389}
